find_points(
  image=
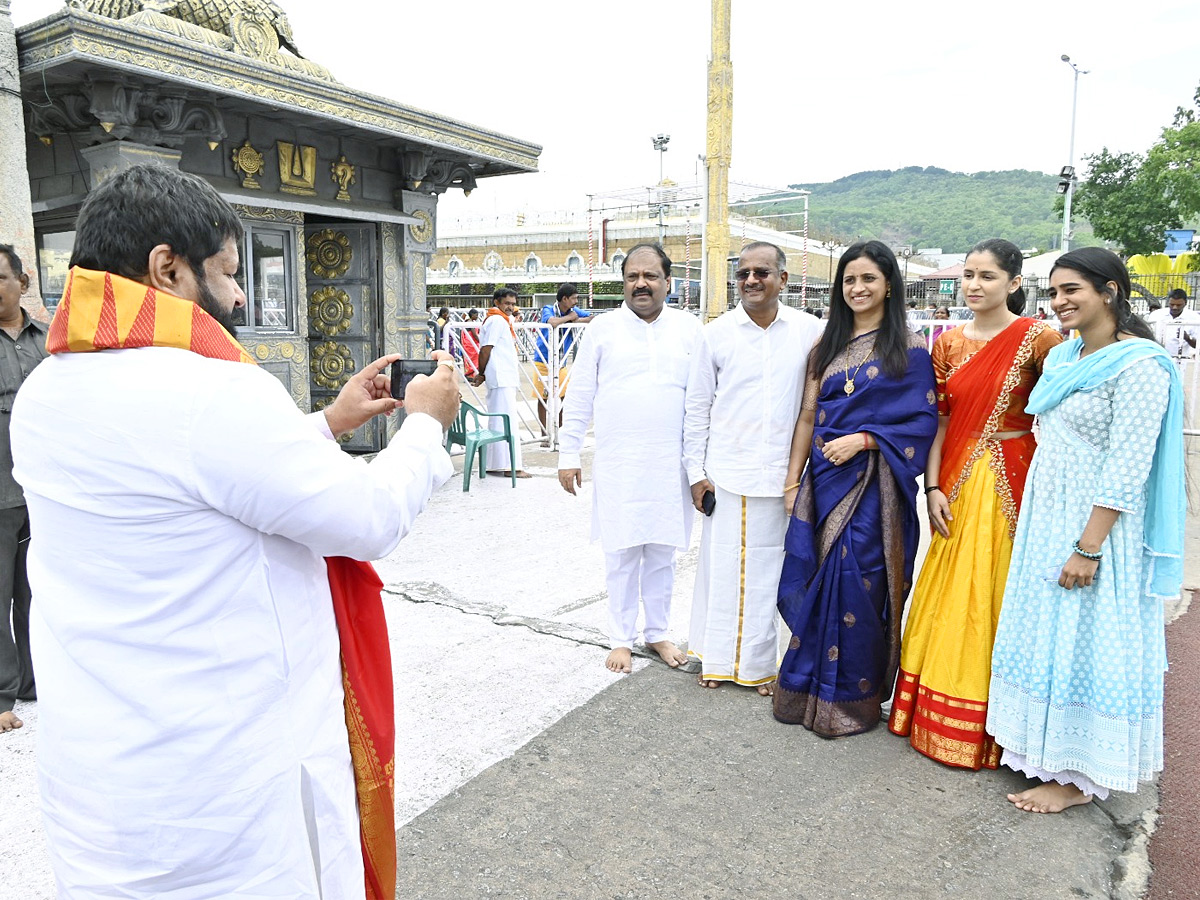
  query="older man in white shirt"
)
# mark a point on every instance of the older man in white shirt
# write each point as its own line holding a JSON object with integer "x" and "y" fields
{"x": 743, "y": 399}
{"x": 631, "y": 376}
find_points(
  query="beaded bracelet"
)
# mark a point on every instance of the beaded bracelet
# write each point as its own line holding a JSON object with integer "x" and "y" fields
{"x": 1094, "y": 557}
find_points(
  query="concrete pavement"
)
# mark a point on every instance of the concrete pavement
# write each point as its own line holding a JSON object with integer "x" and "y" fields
{"x": 525, "y": 769}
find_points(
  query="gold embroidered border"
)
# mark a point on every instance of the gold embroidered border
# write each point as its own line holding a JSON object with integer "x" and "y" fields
{"x": 737, "y": 658}
{"x": 1011, "y": 379}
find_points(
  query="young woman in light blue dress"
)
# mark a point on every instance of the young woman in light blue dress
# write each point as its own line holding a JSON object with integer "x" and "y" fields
{"x": 1076, "y": 694}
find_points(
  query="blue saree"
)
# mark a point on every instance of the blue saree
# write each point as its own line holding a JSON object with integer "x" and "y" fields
{"x": 851, "y": 541}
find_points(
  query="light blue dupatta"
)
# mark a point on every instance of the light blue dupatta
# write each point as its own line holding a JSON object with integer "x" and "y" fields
{"x": 1063, "y": 374}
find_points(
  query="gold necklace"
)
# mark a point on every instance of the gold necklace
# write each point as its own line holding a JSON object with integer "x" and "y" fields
{"x": 850, "y": 376}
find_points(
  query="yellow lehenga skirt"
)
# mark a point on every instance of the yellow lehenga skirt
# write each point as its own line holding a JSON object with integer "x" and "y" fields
{"x": 941, "y": 695}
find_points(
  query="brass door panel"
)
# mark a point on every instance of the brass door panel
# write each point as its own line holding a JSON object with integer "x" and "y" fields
{"x": 343, "y": 315}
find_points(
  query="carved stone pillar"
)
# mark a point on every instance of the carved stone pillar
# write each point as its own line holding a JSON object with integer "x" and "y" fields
{"x": 16, "y": 211}
{"x": 117, "y": 156}
{"x": 406, "y": 251}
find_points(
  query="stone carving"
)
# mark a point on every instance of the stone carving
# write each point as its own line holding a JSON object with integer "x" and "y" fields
{"x": 330, "y": 311}
{"x": 220, "y": 16}
{"x": 248, "y": 162}
{"x": 329, "y": 253}
{"x": 422, "y": 172}
{"x": 289, "y": 216}
{"x": 342, "y": 173}
{"x": 297, "y": 169}
{"x": 106, "y": 110}
{"x": 368, "y": 111}
{"x": 422, "y": 232}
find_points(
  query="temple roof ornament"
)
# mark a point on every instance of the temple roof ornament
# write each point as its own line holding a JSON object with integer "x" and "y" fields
{"x": 255, "y": 28}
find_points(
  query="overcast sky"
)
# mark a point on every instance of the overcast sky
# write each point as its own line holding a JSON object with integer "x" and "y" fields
{"x": 821, "y": 90}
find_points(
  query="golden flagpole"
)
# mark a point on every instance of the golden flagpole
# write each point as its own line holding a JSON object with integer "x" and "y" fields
{"x": 719, "y": 151}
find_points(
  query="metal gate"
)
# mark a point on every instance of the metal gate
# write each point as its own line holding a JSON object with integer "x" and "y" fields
{"x": 343, "y": 316}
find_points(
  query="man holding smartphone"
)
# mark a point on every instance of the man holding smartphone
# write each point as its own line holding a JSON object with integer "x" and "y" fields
{"x": 195, "y": 736}
{"x": 743, "y": 400}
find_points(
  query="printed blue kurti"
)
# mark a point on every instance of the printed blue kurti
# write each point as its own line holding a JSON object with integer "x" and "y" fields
{"x": 1077, "y": 675}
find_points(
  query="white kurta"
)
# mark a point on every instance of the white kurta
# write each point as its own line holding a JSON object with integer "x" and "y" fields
{"x": 631, "y": 376}
{"x": 743, "y": 399}
{"x": 1170, "y": 330}
{"x": 192, "y": 739}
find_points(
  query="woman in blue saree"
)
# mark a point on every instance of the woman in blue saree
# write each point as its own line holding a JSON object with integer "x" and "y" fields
{"x": 866, "y": 425}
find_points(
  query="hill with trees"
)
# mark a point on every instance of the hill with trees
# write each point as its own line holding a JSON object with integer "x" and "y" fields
{"x": 931, "y": 207}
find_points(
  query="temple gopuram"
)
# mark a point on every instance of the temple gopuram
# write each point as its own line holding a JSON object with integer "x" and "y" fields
{"x": 337, "y": 189}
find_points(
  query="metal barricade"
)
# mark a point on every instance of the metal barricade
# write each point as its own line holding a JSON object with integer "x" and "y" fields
{"x": 461, "y": 340}
{"x": 563, "y": 348}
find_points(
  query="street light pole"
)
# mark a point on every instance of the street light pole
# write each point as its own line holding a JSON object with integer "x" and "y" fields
{"x": 1066, "y": 229}
{"x": 660, "y": 142}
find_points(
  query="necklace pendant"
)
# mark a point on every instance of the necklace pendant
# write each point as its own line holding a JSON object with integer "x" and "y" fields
{"x": 849, "y": 388}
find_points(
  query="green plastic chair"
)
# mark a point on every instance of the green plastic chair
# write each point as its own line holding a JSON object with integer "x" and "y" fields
{"x": 474, "y": 438}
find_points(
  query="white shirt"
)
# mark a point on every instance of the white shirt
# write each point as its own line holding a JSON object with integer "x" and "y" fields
{"x": 631, "y": 376}
{"x": 191, "y": 727}
{"x": 743, "y": 399}
{"x": 1169, "y": 332}
{"x": 501, "y": 369}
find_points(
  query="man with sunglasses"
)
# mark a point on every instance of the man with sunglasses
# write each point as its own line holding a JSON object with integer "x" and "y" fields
{"x": 743, "y": 400}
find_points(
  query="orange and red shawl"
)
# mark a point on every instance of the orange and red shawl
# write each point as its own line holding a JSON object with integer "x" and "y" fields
{"x": 103, "y": 311}
{"x": 982, "y": 390}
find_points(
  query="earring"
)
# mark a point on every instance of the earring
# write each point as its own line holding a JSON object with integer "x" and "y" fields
{"x": 888, "y": 295}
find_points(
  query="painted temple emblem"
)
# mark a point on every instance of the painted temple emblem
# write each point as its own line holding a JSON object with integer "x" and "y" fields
{"x": 329, "y": 253}
{"x": 297, "y": 169}
{"x": 342, "y": 174}
{"x": 331, "y": 365}
{"x": 330, "y": 310}
{"x": 248, "y": 163}
{"x": 422, "y": 231}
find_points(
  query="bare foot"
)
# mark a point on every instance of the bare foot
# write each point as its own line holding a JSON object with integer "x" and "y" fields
{"x": 619, "y": 660}
{"x": 707, "y": 682}
{"x": 521, "y": 473}
{"x": 1050, "y": 797}
{"x": 768, "y": 689}
{"x": 670, "y": 654}
{"x": 9, "y": 721}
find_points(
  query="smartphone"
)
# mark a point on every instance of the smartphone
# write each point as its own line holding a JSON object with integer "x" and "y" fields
{"x": 708, "y": 502}
{"x": 405, "y": 370}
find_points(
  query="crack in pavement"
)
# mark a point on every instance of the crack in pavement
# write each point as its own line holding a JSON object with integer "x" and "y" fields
{"x": 432, "y": 592}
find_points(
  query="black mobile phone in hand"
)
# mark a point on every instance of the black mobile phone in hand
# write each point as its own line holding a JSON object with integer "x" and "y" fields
{"x": 405, "y": 370}
{"x": 708, "y": 502}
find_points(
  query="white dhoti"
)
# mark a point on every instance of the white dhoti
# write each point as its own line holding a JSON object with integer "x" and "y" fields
{"x": 735, "y": 626}
{"x": 646, "y": 571}
{"x": 503, "y": 400}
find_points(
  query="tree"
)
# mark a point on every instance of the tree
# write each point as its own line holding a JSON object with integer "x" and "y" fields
{"x": 1124, "y": 202}
{"x": 1175, "y": 160}
{"x": 1133, "y": 198}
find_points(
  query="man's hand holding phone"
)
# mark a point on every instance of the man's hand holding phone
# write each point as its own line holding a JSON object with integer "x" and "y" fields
{"x": 435, "y": 394}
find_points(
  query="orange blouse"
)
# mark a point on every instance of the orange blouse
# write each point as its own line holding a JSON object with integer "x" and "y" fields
{"x": 953, "y": 348}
